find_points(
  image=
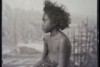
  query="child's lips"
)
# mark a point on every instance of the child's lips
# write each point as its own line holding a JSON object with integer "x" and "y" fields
{"x": 42, "y": 28}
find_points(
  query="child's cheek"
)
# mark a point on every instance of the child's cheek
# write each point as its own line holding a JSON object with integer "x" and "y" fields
{"x": 44, "y": 28}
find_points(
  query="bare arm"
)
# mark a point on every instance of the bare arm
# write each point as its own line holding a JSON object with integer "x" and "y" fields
{"x": 45, "y": 52}
{"x": 64, "y": 53}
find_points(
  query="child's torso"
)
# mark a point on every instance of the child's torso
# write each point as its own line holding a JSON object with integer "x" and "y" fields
{"x": 53, "y": 49}
{"x": 54, "y": 46}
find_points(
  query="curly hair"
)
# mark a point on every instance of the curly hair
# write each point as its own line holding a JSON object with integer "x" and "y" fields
{"x": 57, "y": 15}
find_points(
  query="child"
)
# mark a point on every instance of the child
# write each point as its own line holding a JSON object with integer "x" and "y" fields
{"x": 57, "y": 47}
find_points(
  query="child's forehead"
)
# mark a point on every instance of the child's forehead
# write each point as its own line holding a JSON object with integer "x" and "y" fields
{"x": 45, "y": 16}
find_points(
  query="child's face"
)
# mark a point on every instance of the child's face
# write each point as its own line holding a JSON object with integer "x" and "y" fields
{"x": 47, "y": 26}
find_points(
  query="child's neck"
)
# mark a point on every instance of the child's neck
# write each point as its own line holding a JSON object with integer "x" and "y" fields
{"x": 54, "y": 32}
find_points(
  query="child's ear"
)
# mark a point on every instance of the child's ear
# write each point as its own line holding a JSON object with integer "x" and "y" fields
{"x": 54, "y": 24}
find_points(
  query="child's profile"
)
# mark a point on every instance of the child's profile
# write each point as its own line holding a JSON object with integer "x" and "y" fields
{"x": 57, "y": 47}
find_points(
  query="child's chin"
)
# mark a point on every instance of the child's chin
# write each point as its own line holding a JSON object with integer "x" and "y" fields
{"x": 45, "y": 31}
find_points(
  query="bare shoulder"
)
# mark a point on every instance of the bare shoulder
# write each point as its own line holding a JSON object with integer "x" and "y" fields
{"x": 64, "y": 39}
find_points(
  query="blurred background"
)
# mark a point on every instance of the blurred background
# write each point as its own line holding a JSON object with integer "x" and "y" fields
{"x": 22, "y": 36}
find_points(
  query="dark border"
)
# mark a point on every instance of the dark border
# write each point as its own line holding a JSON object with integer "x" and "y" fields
{"x": 98, "y": 33}
{"x": 1, "y": 34}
